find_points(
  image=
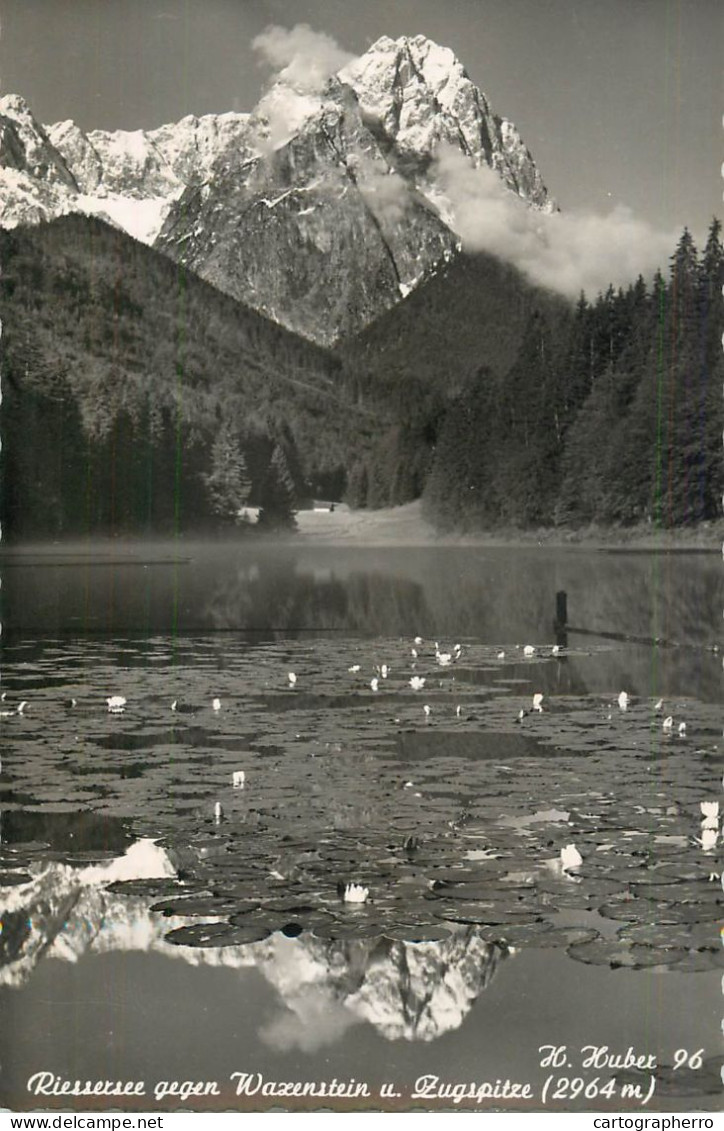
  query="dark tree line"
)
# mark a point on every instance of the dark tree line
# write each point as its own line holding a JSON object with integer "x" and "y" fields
{"x": 611, "y": 415}
{"x": 138, "y": 398}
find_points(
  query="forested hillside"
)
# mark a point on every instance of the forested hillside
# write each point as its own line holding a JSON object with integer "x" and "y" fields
{"x": 137, "y": 397}
{"x": 416, "y": 360}
{"x": 611, "y": 415}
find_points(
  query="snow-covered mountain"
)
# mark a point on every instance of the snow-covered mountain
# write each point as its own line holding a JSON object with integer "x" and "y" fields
{"x": 415, "y": 95}
{"x": 129, "y": 177}
{"x": 328, "y": 228}
{"x": 321, "y": 208}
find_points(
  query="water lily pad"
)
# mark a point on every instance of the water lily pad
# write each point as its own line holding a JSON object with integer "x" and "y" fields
{"x": 698, "y": 891}
{"x": 216, "y": 934}
{"x": 298, "y": 905}
{"x": 360, "y": 930}
{"x": 565, "y": 936}
{"x": 417, "y": 933}
{"x": 642, "y": 911}
{"x": 14, "y": 879}
{"x": 611, "y": 952}
{"x": 687, "y": 936}
{"x": 675, "y": 871}
{"x": 270, "y": 921}
{"x": 14, "y": 860}
{"x": 476, "y": 892}
{"x": 100, "y": 856}
{"x": 26, "y": 848}
{"x": 483, "y": 914}
{"x": 477, "y": 872}
{"x": 570, "y": 897}
{"x": 523, "y": 934}
{"x": 151, "y": 888}
{"x": 587, "y": 886}
{"x": 194, "y": 905}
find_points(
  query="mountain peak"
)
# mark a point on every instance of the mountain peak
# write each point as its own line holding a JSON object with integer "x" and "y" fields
{"x": 15, "y": 106}
{"x": 417, "y": 97}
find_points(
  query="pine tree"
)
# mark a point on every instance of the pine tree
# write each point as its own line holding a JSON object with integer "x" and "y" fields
{"x": 279, "y": 495}
{"x": 227, "y": 484}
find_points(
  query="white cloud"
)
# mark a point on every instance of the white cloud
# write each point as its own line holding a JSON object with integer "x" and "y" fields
{"x": 301, "y": 57}
{"x": 302, "y": 60}
{"x": 385, "y": 192}
{"x": 567, "y": 252}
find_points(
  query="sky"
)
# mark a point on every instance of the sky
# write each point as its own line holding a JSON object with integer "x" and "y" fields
{"x": 619, "y": 101}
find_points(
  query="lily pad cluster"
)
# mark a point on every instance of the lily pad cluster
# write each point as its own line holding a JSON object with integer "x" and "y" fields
{"x": 453, "y": 818}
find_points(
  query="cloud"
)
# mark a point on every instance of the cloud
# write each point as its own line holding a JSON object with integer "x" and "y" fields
{"x": 301, "y": 57}
{"x": 567, "y": 252}
{"x": 302, "y": 60}
{"x": 385, "y": 192}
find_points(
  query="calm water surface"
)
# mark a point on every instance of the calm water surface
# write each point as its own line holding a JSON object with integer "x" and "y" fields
{"x": 172, "y": 873}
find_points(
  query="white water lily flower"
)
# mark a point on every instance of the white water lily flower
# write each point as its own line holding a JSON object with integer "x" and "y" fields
{"x": 529, "y": 650}
{"x": 709, "y": 808}
{"x": 354, "y": 668}
{"x": 658, "y": 705}
{"x": 292, "y": 679}
{"x": 384, "y": 671}
{"x": 20, "y": 709}
{"x": 501, "y": 655}
{"x": 668, "y": 722}
{"x": 417, "y": 682}
{"x": 216, "y": 704}
{"x": 570, "y": 857}
{"x": 555, "y": 650}
{"x": 238, "y": 779}
{"x": 355, "y": 893}
{"x": 115, "y": 703}
{"x": 218, "y": 813}
{"x": 682, "y": 729}
{"x": 418, "y": 641}
{"x": 708, "y": 839}
{"x": 538, "y": 702}
{"x": 623, "y": 700}
{"x": 374, "y": 683}
{"x": 426, "y": 709}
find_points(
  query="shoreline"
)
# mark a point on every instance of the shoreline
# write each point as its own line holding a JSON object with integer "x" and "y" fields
{"x": 405, "y": 526}
{"x": 402, "y": 526}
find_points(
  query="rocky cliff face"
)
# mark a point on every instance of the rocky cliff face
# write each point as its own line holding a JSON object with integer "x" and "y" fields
{"x": 322, "y": 208}
{"x": 320, "y": 234}
{"x": 416, "y": 96}
{"x": 331, "y": 227}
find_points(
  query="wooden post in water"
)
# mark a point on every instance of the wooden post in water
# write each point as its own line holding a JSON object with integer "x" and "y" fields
{"x": 560, "y": 624}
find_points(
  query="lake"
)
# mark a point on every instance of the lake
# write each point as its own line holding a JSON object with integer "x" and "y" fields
{"x": 291, "y": 726}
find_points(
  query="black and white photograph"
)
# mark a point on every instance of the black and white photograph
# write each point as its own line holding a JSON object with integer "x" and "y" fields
{"x": 361, "y": 491}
